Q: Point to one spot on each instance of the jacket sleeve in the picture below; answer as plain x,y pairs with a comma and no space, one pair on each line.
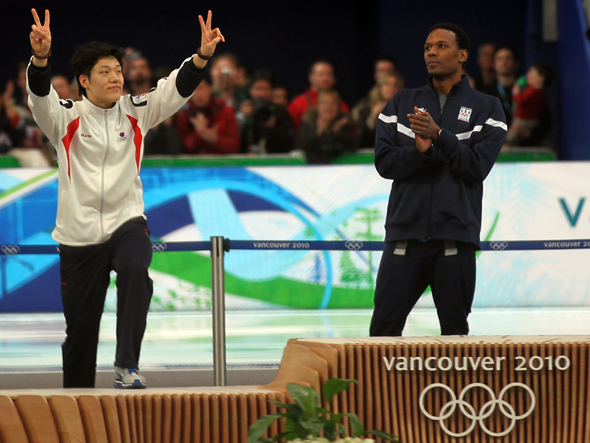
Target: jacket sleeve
169,95
48,110
396,155
471,155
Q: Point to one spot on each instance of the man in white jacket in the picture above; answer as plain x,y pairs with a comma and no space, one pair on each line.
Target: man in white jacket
100,223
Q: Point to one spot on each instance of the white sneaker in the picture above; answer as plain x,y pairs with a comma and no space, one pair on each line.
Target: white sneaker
129,378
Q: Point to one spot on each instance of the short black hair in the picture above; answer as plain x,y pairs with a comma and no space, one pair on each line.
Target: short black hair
460,35
546,72
87,56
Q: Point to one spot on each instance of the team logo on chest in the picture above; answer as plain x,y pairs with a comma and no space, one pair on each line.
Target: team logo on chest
465,114
122,137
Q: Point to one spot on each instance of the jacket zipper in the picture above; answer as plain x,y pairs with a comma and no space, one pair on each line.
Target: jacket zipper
432,179
104,161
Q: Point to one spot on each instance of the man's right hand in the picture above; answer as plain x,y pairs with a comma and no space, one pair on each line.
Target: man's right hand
40,38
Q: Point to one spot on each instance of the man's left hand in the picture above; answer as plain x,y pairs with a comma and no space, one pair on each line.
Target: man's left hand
209,37
423,125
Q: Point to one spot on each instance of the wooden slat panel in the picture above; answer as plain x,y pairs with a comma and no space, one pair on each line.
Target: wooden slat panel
148,418
166,418
157,418
93,419
176,418
67,419
186,418
111,418
12,429
37,419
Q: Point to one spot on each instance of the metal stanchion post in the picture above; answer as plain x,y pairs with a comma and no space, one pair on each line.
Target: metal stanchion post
218,295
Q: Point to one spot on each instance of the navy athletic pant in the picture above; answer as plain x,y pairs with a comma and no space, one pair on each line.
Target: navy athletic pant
402,279
85,277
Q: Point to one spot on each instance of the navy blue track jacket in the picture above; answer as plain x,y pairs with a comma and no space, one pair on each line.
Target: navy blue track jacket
438,195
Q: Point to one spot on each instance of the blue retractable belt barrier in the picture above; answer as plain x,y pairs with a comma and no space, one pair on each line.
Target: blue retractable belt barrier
297,245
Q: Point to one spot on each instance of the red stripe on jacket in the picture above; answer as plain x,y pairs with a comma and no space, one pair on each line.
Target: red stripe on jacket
67,141
137,139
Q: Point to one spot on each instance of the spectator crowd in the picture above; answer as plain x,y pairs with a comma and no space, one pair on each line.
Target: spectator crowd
238,110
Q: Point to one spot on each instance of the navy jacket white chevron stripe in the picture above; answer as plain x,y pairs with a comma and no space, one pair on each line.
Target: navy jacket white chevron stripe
438,195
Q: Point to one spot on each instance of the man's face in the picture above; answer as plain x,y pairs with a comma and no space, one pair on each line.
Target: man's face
382,68
485,56
61,86
202,95
224,73
442,54
261,90
504,62
105,84
139,70
322,77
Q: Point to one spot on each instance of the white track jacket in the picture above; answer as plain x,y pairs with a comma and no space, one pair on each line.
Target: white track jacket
99,151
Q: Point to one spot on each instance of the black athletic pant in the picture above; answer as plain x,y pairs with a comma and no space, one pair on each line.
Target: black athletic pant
402,279
85,277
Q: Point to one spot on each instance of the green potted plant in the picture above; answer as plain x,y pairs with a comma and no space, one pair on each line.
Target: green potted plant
306,419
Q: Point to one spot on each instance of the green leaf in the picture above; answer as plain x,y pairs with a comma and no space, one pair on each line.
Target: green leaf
312,426
335,386
258,429
305,396
357,428
288,406
287,435
383,435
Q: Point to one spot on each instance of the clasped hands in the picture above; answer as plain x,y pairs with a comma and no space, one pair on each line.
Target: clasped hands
426,130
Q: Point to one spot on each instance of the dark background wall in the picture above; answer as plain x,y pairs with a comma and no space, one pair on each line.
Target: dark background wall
286,36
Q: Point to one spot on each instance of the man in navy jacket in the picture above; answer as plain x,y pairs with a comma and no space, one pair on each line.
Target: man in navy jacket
437,143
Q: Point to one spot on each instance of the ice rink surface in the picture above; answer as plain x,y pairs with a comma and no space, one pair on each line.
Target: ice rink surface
254,338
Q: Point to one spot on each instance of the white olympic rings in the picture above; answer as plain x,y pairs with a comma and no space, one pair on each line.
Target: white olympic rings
498,245
10,249
159,247
353,245
485,411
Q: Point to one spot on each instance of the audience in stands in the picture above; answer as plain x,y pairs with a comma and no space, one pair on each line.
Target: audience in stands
206,125
33,149
506,68
326,131
229,79
532,119
321,78
236,112
11,132
62,86
366,112
267,128
280,96
485,60
138,79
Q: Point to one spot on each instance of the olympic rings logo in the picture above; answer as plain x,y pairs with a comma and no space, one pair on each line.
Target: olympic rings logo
353,245
485,411
159,247
498,245
10,249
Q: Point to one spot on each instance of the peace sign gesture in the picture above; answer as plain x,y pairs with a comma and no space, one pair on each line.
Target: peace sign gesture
209,38
40,35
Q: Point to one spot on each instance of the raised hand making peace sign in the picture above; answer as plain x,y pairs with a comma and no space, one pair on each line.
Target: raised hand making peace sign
40,36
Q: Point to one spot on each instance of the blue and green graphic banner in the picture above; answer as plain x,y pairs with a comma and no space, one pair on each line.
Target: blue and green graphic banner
542,201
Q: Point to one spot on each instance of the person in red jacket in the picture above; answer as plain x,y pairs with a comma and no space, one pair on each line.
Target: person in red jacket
321,78
531,120
206,125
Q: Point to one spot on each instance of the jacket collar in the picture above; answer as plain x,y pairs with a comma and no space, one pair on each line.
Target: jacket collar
461,85
98,111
